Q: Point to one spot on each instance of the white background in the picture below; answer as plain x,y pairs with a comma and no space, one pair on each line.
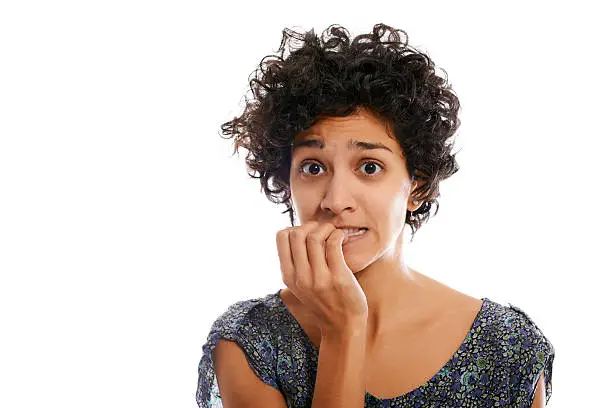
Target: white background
127,227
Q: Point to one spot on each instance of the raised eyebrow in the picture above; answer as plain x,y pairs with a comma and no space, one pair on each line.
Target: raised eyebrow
351,145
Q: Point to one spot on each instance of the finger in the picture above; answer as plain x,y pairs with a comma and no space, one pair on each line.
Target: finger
284,255
334,255
297,240
315,246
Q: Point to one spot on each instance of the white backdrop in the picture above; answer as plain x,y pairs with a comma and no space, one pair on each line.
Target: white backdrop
127,227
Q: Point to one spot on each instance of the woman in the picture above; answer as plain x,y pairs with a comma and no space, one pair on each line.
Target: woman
354,137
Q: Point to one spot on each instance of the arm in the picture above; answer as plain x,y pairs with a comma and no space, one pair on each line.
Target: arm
539,401
239,386
341,369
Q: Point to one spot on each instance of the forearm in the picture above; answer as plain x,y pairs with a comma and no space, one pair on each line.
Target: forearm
340,381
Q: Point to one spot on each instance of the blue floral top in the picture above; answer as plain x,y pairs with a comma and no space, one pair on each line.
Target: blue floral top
498,364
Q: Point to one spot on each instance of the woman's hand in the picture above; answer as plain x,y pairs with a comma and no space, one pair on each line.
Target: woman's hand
313,268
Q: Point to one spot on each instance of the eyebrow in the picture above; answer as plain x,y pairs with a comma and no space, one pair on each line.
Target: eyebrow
351,145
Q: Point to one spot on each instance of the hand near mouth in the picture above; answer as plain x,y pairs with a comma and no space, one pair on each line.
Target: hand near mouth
314,269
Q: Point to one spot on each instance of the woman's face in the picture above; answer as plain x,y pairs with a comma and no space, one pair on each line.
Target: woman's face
337,176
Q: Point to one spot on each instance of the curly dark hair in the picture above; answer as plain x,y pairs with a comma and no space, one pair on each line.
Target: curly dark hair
331,76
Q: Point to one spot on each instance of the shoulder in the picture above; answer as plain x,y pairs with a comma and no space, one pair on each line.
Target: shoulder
514,330
517,329
521,348
247,323
245,315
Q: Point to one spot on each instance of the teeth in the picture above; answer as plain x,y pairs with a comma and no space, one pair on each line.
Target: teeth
352,231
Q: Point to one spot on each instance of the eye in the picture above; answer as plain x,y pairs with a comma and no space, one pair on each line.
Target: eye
371,162
314,166
309,165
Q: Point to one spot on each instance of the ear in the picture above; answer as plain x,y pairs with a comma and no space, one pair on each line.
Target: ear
411,197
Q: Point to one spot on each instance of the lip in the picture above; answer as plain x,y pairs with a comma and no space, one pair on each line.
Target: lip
348,226
354,238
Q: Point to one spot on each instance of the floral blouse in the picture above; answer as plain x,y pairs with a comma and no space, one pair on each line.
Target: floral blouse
498,364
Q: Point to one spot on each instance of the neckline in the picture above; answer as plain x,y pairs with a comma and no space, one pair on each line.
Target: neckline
397,398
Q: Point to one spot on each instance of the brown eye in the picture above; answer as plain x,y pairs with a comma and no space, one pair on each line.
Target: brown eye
315,168
310,166
371,166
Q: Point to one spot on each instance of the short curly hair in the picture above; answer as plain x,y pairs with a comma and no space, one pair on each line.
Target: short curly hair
333,76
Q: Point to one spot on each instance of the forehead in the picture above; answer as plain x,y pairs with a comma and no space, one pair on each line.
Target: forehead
360,131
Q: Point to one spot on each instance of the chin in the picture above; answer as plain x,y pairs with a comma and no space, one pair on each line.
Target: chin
355,265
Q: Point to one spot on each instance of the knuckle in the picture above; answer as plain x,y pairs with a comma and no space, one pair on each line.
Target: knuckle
334,239
296,233
339,282
313,238
301,284
285,278
281,235
321,286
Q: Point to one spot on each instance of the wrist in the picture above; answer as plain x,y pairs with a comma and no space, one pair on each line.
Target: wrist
354,330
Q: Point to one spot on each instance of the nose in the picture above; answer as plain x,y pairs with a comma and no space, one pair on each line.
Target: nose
338,196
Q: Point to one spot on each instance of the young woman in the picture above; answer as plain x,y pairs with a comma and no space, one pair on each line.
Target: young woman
354,137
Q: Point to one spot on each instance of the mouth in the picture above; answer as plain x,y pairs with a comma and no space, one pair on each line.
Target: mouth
353,234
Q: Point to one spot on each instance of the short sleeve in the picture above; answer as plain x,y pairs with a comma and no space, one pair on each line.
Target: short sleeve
244,324
537,357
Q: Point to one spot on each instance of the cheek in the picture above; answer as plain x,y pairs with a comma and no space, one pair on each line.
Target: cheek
398,208
304,199
389,211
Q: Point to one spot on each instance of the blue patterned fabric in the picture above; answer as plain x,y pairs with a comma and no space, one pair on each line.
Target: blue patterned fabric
498,364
